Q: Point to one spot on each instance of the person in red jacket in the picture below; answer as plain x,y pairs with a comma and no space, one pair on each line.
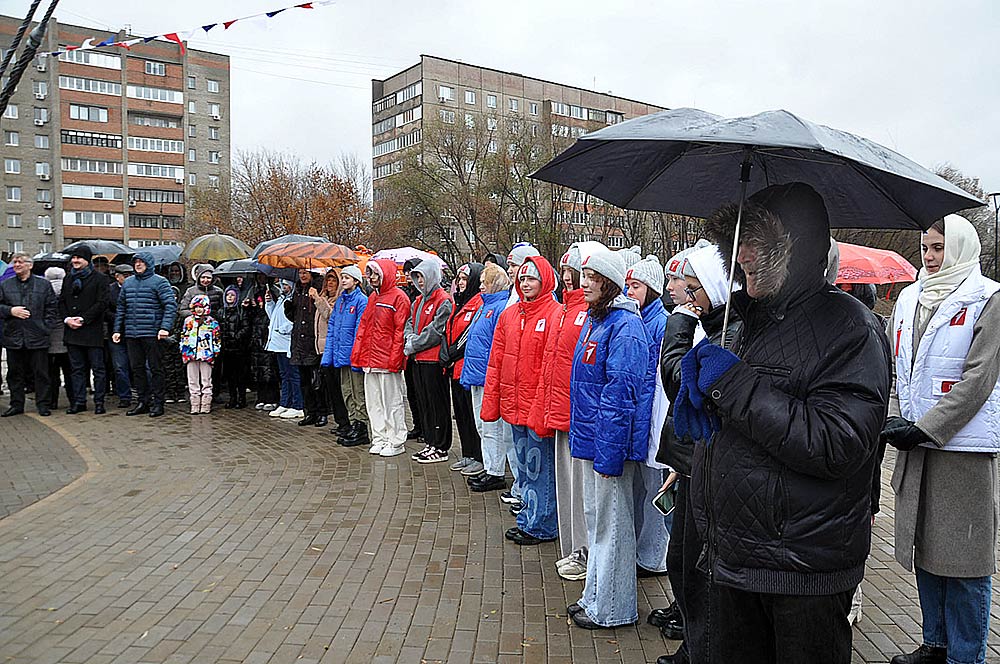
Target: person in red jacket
468,301
512,378
423,336
378,351
551,410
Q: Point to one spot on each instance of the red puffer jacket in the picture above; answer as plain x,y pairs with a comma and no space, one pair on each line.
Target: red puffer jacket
379,341
453,347
515,366
551,407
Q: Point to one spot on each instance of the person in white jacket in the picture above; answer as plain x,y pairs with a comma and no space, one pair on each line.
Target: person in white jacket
279,339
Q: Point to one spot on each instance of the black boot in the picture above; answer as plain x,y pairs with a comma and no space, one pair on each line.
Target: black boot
358,436
321,421
241,400
231,403
307,420
925,654
138,409
342,430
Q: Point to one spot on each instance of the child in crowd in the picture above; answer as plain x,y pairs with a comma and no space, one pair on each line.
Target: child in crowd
199,347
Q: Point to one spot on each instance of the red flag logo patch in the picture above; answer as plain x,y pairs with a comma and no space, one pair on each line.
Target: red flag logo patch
580,318
540,325
959,318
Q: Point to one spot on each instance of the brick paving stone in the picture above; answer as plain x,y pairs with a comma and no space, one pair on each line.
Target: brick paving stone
236,538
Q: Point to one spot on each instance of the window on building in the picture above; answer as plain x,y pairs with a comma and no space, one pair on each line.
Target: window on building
92,58
154,94
156,68
192,131
94,85
409,92
12,166
559,108
213,156
40,88
470,97
492,147
213,133
14,194
470,122
514,104
215,110
192,179
43,168
491,123
192,155
212,86
156,196
88,113
491,101
152,121
155,145
45,247
92,166
13,221
191,82
192,109
93,219
90,191
44,222
42,141
155,171
11,138
15,246
213,181
533,108
448,117
615,118
446,93
41,114
11,112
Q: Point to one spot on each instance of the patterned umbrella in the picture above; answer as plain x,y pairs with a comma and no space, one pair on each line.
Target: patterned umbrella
307,255
864,265
216,247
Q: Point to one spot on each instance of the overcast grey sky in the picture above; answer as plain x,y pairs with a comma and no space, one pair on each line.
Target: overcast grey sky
920,77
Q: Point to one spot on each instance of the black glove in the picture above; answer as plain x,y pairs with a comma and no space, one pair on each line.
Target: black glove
902,434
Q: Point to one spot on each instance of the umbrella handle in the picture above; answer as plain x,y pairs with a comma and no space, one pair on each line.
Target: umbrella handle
744,180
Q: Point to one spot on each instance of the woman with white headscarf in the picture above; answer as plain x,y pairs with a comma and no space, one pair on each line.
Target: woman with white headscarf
944,418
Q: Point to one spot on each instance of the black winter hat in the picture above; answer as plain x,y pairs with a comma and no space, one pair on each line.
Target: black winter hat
84,252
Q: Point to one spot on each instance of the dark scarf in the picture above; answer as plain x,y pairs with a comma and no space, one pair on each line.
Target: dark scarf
79,276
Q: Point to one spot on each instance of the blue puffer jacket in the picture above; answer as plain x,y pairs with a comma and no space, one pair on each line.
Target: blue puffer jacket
480,339
146,303
609,366
654,319
343,328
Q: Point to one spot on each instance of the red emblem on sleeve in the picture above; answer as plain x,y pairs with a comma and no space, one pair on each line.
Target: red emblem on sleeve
959,318
590,352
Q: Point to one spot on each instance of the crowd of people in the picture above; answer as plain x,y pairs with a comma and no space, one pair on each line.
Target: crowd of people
655,420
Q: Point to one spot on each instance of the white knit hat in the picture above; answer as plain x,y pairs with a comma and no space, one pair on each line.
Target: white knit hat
608,264
571,258
675,266
353,272
520,253
529,270
631,256
648,271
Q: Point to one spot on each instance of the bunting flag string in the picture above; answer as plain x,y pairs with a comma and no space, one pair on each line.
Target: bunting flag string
180,36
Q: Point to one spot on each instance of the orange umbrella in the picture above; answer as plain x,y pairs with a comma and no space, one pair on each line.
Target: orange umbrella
307,255
865,265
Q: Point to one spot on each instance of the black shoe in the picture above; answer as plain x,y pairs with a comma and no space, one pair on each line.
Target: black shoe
320,421
661,617
581,619
241,403
679,657
673,631
76,408
573,609
414,434
156,411
524,539
99,409
516,508
490,483
343,429
307,420
925,654
230,404
13,410
356,441
139,409
643,573
511,532
44,412
123,403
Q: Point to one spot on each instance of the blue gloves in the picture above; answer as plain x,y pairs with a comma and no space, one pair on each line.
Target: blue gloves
700,368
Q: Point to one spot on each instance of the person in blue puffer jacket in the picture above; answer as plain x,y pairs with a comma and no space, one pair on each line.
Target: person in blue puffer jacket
341,331
145,314
494,286
610,364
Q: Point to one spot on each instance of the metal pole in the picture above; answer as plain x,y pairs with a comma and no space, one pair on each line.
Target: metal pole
34,41
996,230
744,181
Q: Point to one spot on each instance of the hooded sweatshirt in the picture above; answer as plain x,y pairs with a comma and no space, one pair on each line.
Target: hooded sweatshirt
456,332
609,366
425,329
213,292
199,338
515,365
379,342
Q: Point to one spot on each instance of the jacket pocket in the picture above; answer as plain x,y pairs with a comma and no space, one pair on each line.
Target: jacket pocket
775,509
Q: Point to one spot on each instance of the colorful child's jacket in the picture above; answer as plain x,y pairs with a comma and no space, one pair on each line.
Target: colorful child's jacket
200,335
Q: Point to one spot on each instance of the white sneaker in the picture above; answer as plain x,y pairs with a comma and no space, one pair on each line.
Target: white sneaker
392,450
260,406
574,571
292,414
376,448
277,412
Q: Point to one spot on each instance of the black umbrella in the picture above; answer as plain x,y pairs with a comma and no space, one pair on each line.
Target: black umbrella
163,254
44,261
241,267
103,247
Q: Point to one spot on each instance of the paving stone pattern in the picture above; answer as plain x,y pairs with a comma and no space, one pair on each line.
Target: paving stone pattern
240,538
34,463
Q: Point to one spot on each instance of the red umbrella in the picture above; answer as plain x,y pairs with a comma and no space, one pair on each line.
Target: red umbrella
865,265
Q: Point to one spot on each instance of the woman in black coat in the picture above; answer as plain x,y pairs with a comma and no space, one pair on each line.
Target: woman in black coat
234,321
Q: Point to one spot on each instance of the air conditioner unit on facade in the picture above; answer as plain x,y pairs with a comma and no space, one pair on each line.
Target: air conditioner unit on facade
179,180
131,203
46,231
39,123
40,66
39,95
44,177
216,116
47,206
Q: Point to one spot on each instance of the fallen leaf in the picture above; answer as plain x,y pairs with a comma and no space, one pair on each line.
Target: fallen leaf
144,635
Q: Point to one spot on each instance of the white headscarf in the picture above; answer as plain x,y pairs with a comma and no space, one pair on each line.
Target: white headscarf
961,257
710,269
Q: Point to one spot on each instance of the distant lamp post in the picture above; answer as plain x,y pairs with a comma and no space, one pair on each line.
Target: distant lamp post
996,228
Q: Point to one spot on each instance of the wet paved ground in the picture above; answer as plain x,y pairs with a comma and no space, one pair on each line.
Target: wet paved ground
239,538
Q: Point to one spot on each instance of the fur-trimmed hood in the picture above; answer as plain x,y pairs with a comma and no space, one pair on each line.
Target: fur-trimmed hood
789,227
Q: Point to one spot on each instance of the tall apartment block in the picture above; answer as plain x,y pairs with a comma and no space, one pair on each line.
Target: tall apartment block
456,92
109,143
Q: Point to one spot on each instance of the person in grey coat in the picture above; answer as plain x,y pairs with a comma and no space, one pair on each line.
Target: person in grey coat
58,354
944,420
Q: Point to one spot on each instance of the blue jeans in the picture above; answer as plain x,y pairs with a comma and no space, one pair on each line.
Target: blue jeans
119,359
508,438
82,358
956,615
536,463
651,528
291,392
609,597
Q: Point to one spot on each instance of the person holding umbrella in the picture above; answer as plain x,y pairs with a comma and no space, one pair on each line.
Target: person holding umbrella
789,425
945,423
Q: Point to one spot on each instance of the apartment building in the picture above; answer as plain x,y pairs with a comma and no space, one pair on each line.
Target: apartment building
110,143
447,91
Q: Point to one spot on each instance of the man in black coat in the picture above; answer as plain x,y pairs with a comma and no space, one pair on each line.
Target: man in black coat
118,351
28,309
796,409
82,306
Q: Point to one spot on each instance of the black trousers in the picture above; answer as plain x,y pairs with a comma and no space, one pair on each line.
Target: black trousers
757,628
143,353
313,397
411,395
59,362
335,405
465,420
434,404
82,358
236,368
25,363
691,587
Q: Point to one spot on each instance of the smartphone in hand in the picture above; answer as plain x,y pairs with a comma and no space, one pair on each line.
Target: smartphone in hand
665,499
